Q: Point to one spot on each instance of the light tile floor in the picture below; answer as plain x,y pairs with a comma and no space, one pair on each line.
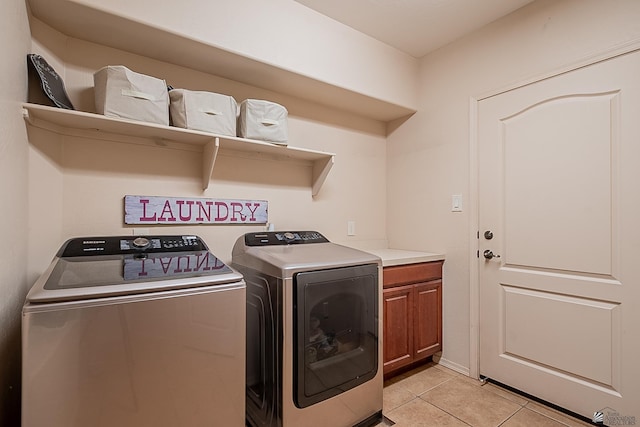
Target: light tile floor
433,395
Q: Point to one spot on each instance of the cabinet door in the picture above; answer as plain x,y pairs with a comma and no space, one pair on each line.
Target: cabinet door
427,318
398,327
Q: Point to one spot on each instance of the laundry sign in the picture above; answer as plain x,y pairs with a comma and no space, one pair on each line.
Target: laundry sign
181,210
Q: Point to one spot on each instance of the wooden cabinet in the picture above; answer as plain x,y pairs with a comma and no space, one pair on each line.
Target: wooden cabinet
412,313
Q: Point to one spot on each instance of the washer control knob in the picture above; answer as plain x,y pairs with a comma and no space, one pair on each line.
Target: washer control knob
141,242
289,236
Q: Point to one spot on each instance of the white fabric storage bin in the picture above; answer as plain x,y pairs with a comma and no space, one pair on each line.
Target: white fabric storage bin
120,92
263,120
204,111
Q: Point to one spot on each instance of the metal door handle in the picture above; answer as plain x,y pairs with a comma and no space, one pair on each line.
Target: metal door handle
490,255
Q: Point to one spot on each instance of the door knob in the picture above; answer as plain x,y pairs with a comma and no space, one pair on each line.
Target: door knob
490,255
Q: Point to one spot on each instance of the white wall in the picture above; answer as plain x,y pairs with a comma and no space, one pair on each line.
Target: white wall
14,43
428,156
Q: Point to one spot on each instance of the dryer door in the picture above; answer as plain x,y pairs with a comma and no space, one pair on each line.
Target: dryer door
335,331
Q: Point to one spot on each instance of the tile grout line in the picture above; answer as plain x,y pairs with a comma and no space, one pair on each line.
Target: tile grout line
402,404
438,407
446,412
511,416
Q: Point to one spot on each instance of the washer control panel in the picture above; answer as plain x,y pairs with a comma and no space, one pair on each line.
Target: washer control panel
119,245
272,238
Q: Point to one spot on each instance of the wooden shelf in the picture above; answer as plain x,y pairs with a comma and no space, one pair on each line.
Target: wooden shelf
89,125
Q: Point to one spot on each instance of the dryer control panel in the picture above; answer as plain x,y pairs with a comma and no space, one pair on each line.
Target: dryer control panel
271,238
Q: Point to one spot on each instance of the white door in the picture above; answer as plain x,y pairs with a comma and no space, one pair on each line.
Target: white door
559,188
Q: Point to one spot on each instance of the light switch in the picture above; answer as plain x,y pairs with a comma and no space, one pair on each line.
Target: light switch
456,203
351,228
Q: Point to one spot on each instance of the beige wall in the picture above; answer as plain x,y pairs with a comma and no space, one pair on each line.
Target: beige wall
428,156
78,184
288,35
14,43
397,187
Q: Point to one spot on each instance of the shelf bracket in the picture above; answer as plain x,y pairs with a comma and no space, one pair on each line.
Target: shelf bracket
26,116
34,121
208,161
321,169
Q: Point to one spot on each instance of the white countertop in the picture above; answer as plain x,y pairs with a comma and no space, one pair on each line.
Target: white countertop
399,256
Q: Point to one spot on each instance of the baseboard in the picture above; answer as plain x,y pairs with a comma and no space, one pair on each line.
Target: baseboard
437,358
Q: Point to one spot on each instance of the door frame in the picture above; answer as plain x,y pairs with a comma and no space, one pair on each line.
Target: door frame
474,182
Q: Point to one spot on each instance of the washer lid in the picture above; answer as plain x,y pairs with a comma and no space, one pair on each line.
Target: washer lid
99,273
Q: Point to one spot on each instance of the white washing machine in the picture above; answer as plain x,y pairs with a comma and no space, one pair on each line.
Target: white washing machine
124,331
314,331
